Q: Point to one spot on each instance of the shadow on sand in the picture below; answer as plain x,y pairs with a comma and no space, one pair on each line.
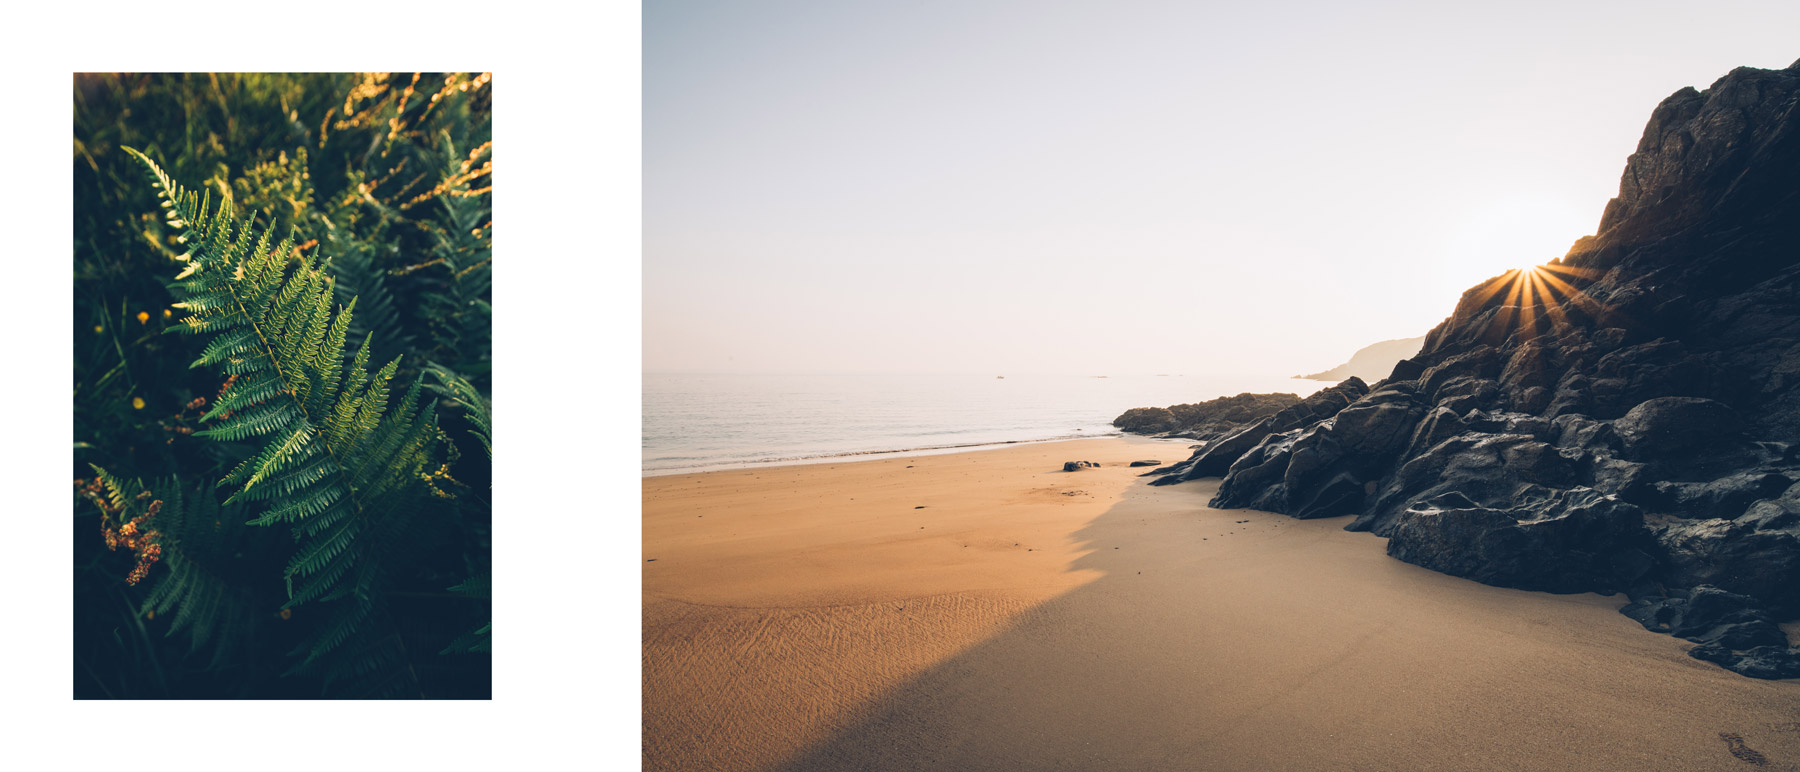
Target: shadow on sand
1221,639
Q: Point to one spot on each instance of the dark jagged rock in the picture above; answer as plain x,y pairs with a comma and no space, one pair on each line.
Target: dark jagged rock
1576,540
1204,420
1693,612
1725,497
1146,420
1439,424
1731,630
1217,457
1488,470
1759,662
1756,554
1623,419
1327,468
1668,426
1406,370
1455,375
1076,466
1146,463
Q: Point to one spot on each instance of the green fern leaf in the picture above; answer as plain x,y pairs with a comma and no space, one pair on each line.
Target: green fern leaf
477,410
198,540
334,460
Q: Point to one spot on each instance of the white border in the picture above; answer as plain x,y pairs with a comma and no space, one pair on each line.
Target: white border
567,278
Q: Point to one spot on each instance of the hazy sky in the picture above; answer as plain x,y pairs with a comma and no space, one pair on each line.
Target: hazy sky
1118,187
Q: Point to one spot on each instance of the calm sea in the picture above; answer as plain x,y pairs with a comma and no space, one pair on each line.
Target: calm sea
699,422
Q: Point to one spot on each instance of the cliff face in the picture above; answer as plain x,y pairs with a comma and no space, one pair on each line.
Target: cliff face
1625,419
1371,362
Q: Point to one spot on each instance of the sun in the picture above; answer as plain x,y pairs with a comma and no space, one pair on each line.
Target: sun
1518,231
1536,300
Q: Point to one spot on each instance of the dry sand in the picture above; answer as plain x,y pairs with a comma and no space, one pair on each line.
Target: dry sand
812,617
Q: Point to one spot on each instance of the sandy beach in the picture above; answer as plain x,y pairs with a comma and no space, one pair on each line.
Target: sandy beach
987,611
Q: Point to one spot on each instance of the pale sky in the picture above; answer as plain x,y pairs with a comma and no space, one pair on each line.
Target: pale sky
1129,187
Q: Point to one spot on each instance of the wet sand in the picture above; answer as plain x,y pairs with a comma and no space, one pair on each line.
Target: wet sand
814,617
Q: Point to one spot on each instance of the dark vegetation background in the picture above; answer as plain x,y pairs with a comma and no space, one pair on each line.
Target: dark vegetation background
385,174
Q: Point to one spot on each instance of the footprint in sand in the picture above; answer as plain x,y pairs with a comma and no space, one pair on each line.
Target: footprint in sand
1735,743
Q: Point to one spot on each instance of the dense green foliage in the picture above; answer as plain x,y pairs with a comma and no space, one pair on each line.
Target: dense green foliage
316,530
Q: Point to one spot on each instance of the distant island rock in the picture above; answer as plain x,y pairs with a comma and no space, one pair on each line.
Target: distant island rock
1629,423
1373,362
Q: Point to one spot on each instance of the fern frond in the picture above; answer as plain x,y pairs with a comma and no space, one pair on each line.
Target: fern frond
314,502
290,484
261,420
327,638
478,586
478,640
477,410
360,276
334,462
473,642
345,516
457,304
246,392
118,492
236,342
323,550
198,541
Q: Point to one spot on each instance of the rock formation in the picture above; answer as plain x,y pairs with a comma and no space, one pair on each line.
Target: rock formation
1212,459
1203,420
1625,419
1372,362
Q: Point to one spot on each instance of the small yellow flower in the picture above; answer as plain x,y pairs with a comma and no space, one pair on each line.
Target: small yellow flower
143,317
151,614
167,313
98,328
287,613
137,403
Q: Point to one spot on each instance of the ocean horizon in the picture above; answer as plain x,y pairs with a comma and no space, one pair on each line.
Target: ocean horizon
702,422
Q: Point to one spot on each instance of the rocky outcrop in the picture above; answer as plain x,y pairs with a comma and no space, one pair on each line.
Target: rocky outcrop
1731,630
1325,467
1372,362
1204,420
1571,540
1214,458
1623,419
